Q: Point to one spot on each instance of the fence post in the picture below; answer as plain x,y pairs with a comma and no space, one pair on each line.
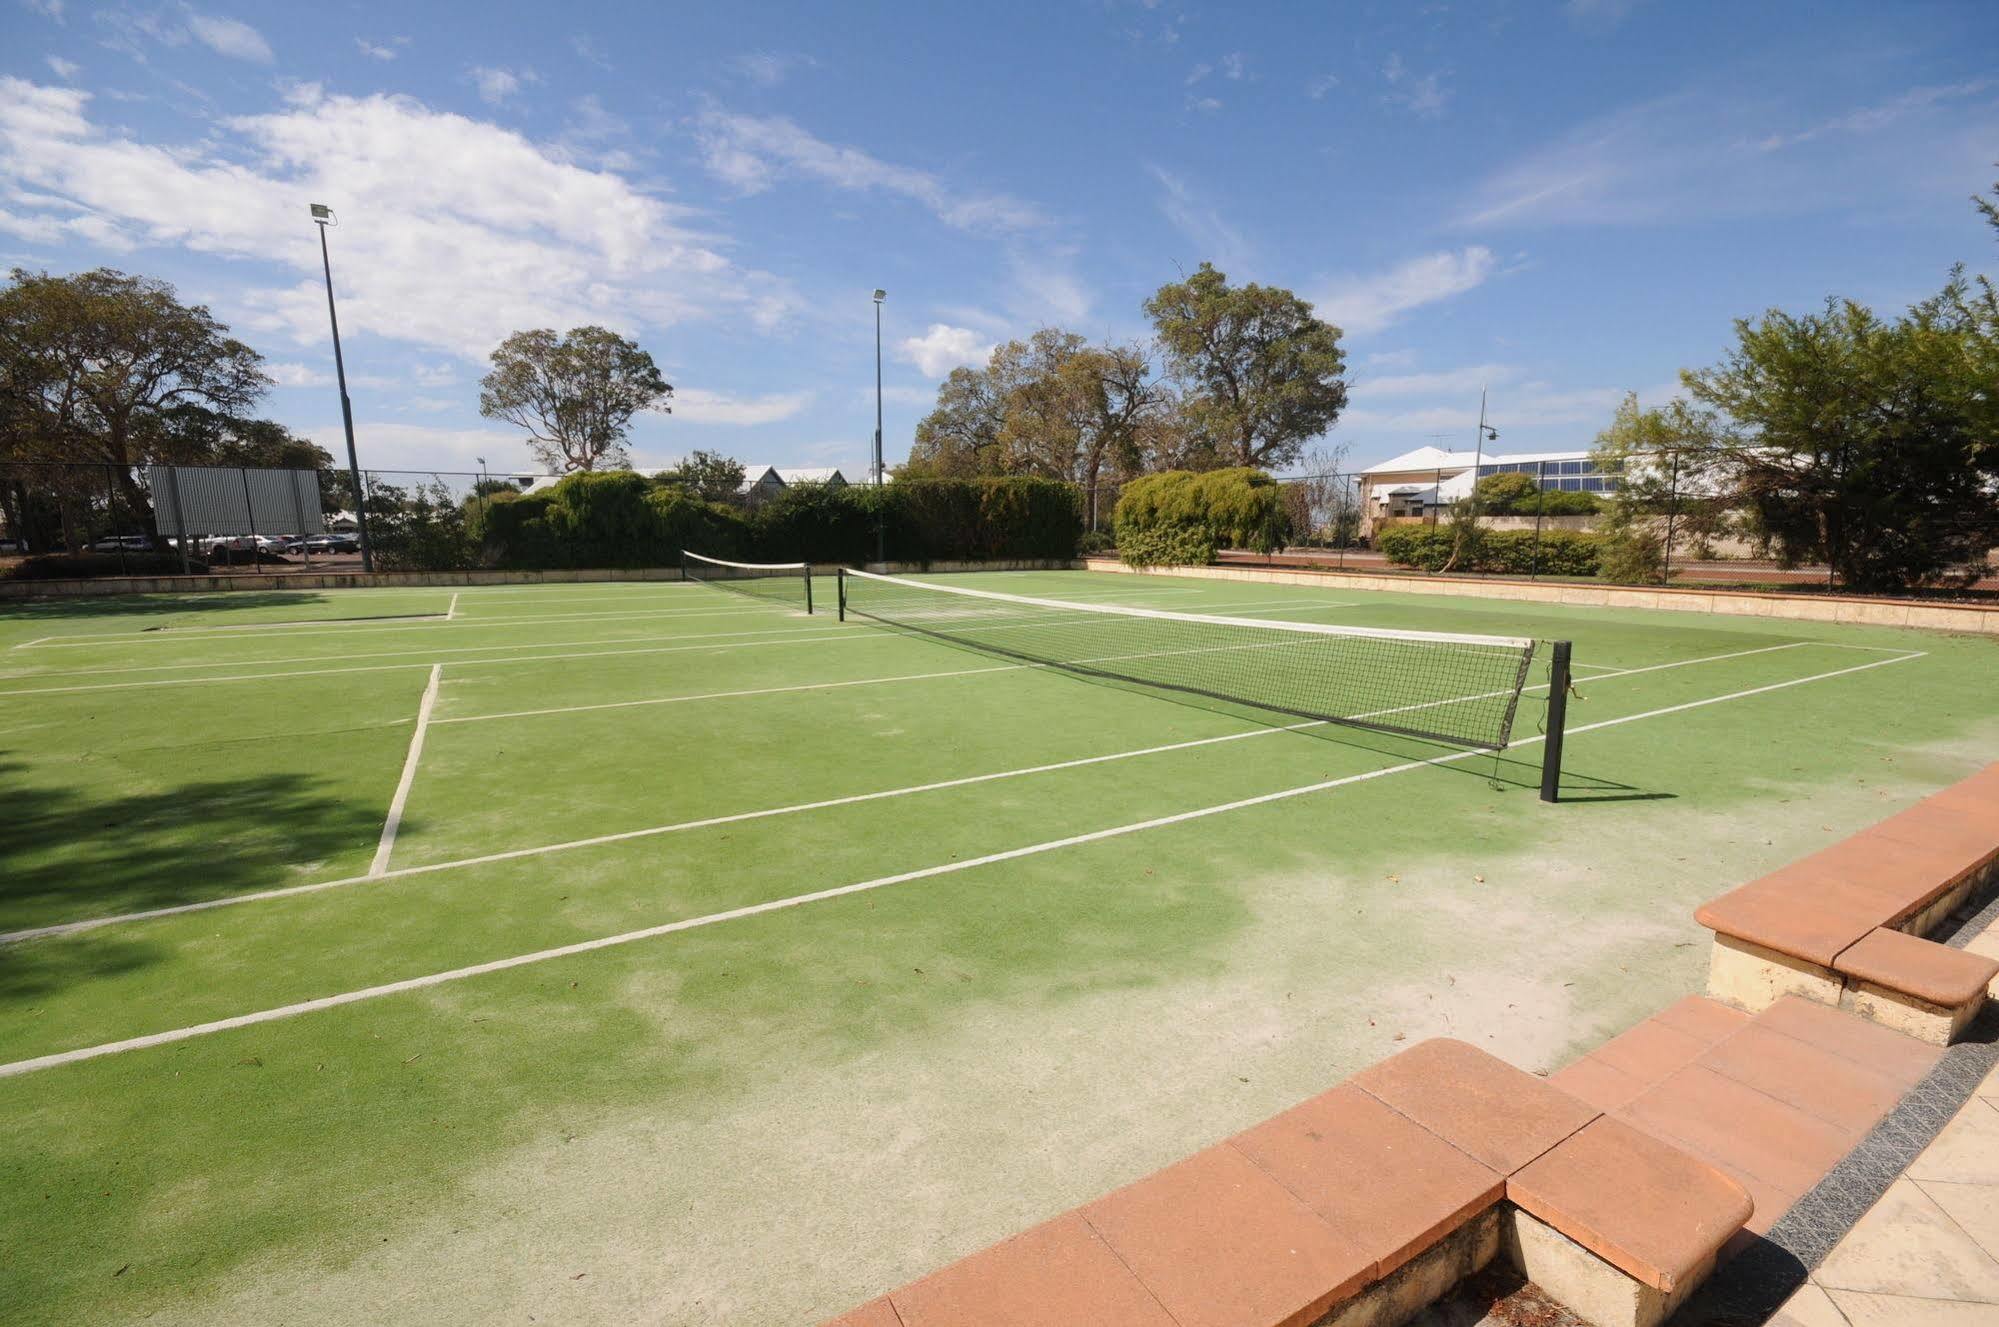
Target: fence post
1540,506
111,515
250,518
180,516
1672,513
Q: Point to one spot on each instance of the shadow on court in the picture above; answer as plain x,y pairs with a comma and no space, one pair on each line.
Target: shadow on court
67,856
113,607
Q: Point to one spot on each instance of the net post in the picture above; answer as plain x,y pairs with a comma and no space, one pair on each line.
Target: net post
1558,715
840,574
808,589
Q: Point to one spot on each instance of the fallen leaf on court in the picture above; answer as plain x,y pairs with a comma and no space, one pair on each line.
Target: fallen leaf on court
122,1270
252,1061
1479,878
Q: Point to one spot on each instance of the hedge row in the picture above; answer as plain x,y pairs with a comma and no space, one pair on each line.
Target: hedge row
621,519
1183,516
1520,552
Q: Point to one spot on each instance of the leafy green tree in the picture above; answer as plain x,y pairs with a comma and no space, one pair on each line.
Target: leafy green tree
709,476
1259,374
1502,495
575,394
91,364
1988,207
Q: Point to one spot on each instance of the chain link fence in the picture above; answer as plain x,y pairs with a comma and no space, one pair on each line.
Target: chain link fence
94,519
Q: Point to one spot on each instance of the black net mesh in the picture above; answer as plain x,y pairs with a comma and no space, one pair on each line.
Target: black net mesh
1458,689
788,583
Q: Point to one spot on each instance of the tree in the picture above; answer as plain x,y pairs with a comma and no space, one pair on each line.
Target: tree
1988,207
960,437
709,476
1259,374
91,364
575,394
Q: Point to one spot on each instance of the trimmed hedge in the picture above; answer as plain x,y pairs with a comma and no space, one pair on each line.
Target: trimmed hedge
608,519
1429,547
84,566
1167,546
622,519
1237,508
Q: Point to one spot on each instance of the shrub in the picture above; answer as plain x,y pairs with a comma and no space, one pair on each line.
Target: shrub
421,528
1632,556
814,523
1239,508
609,519
1511,552
1167,546
1518,495
1013,517
1096,541
74,566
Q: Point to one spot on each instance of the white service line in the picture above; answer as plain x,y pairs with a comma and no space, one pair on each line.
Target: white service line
879,882
286,891
386,668
395,818
451,610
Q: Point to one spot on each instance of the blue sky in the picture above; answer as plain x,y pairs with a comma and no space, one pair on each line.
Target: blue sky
1560,201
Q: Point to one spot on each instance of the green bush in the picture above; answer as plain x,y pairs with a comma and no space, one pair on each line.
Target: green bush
83,566
609,519
1239,508
1632,556
1515,494
1511,552
1167,546
621,519
420,528
1096,541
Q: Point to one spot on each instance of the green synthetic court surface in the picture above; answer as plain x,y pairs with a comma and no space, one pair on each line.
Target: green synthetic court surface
726,965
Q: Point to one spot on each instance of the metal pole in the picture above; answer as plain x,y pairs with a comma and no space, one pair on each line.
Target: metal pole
1558,718
346,410
881,533
1672,512
1540,506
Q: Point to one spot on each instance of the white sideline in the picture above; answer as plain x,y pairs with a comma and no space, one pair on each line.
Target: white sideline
451,610
387,843
286,891
839,891
388,668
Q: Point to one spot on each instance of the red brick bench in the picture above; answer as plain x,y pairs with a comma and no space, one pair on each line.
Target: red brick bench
1844,925
1362,1205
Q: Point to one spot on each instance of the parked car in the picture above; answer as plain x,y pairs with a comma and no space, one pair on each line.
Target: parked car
333,543
122,543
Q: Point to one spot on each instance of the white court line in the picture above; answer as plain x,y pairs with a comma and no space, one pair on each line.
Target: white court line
451,610
840,891
381,627
286,891
395,819
428,652
386,668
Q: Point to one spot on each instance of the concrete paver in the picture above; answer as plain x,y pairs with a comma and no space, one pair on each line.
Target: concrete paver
1907,1245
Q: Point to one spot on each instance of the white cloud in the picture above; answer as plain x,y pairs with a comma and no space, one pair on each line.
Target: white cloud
46,8
1360,305
454,232
1320,86
1200,221
231,37
421,447
586,48
1869,119
1234,65
752,153
1045,287
943,348
387,50
1468,379
767,69
704,407
298,375
1704,154
1197,73
1205,105
495,85
65,69
1423,95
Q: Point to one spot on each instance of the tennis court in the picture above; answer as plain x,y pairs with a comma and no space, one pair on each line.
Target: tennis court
659,952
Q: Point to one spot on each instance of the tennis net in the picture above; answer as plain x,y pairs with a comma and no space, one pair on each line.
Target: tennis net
1457,689
788,583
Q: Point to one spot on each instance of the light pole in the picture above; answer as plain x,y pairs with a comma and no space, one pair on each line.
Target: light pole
881,554
322,216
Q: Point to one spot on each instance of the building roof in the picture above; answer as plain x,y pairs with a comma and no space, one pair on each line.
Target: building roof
755,475
810,474
1436,458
